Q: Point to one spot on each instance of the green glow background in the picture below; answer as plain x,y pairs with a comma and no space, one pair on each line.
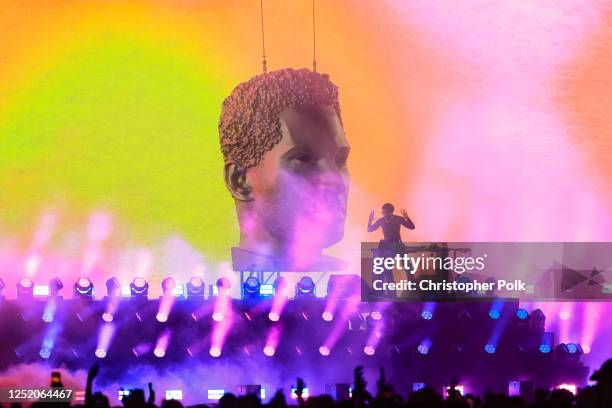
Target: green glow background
126,127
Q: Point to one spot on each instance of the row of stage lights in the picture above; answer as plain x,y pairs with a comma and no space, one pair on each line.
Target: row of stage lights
139,287
194,288
424,347
569,349
253,289
536,318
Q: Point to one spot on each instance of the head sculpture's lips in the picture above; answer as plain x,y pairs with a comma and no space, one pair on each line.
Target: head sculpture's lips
331,205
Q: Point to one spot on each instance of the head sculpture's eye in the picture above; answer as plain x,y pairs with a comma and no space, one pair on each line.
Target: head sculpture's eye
303,158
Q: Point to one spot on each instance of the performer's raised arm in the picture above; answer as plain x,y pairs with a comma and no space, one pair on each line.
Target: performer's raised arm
406,221
372,227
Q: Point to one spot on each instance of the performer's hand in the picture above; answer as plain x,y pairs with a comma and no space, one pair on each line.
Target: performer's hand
371,217
404,213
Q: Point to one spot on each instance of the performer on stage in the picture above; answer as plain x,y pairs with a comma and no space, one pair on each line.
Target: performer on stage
285,156
391,244
390,224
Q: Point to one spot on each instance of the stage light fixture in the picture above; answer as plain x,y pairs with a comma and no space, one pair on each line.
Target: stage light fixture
496,309
568,387
215,352
195,287
221,287
100,353
547,342
355,320
25,288
305,287
139,287
428,310
369,350
327,316
217,316
161,317
250,288
44,353
490,348
537,319
418,386
269,351
113,287
107,317
572,348
168,285
376,315
273,316
545,348
423,348
223,283
561,349
55,285
324,350
570,351
522,314
84,288
159,352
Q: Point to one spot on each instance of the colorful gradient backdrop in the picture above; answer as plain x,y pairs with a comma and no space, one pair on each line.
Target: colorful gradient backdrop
486,120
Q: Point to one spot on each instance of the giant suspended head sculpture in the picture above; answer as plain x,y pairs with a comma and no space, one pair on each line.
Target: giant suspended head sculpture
285,156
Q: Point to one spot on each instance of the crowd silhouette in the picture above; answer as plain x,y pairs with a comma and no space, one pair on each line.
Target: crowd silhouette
598,395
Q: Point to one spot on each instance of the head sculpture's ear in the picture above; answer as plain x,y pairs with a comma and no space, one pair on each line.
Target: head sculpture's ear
236,181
